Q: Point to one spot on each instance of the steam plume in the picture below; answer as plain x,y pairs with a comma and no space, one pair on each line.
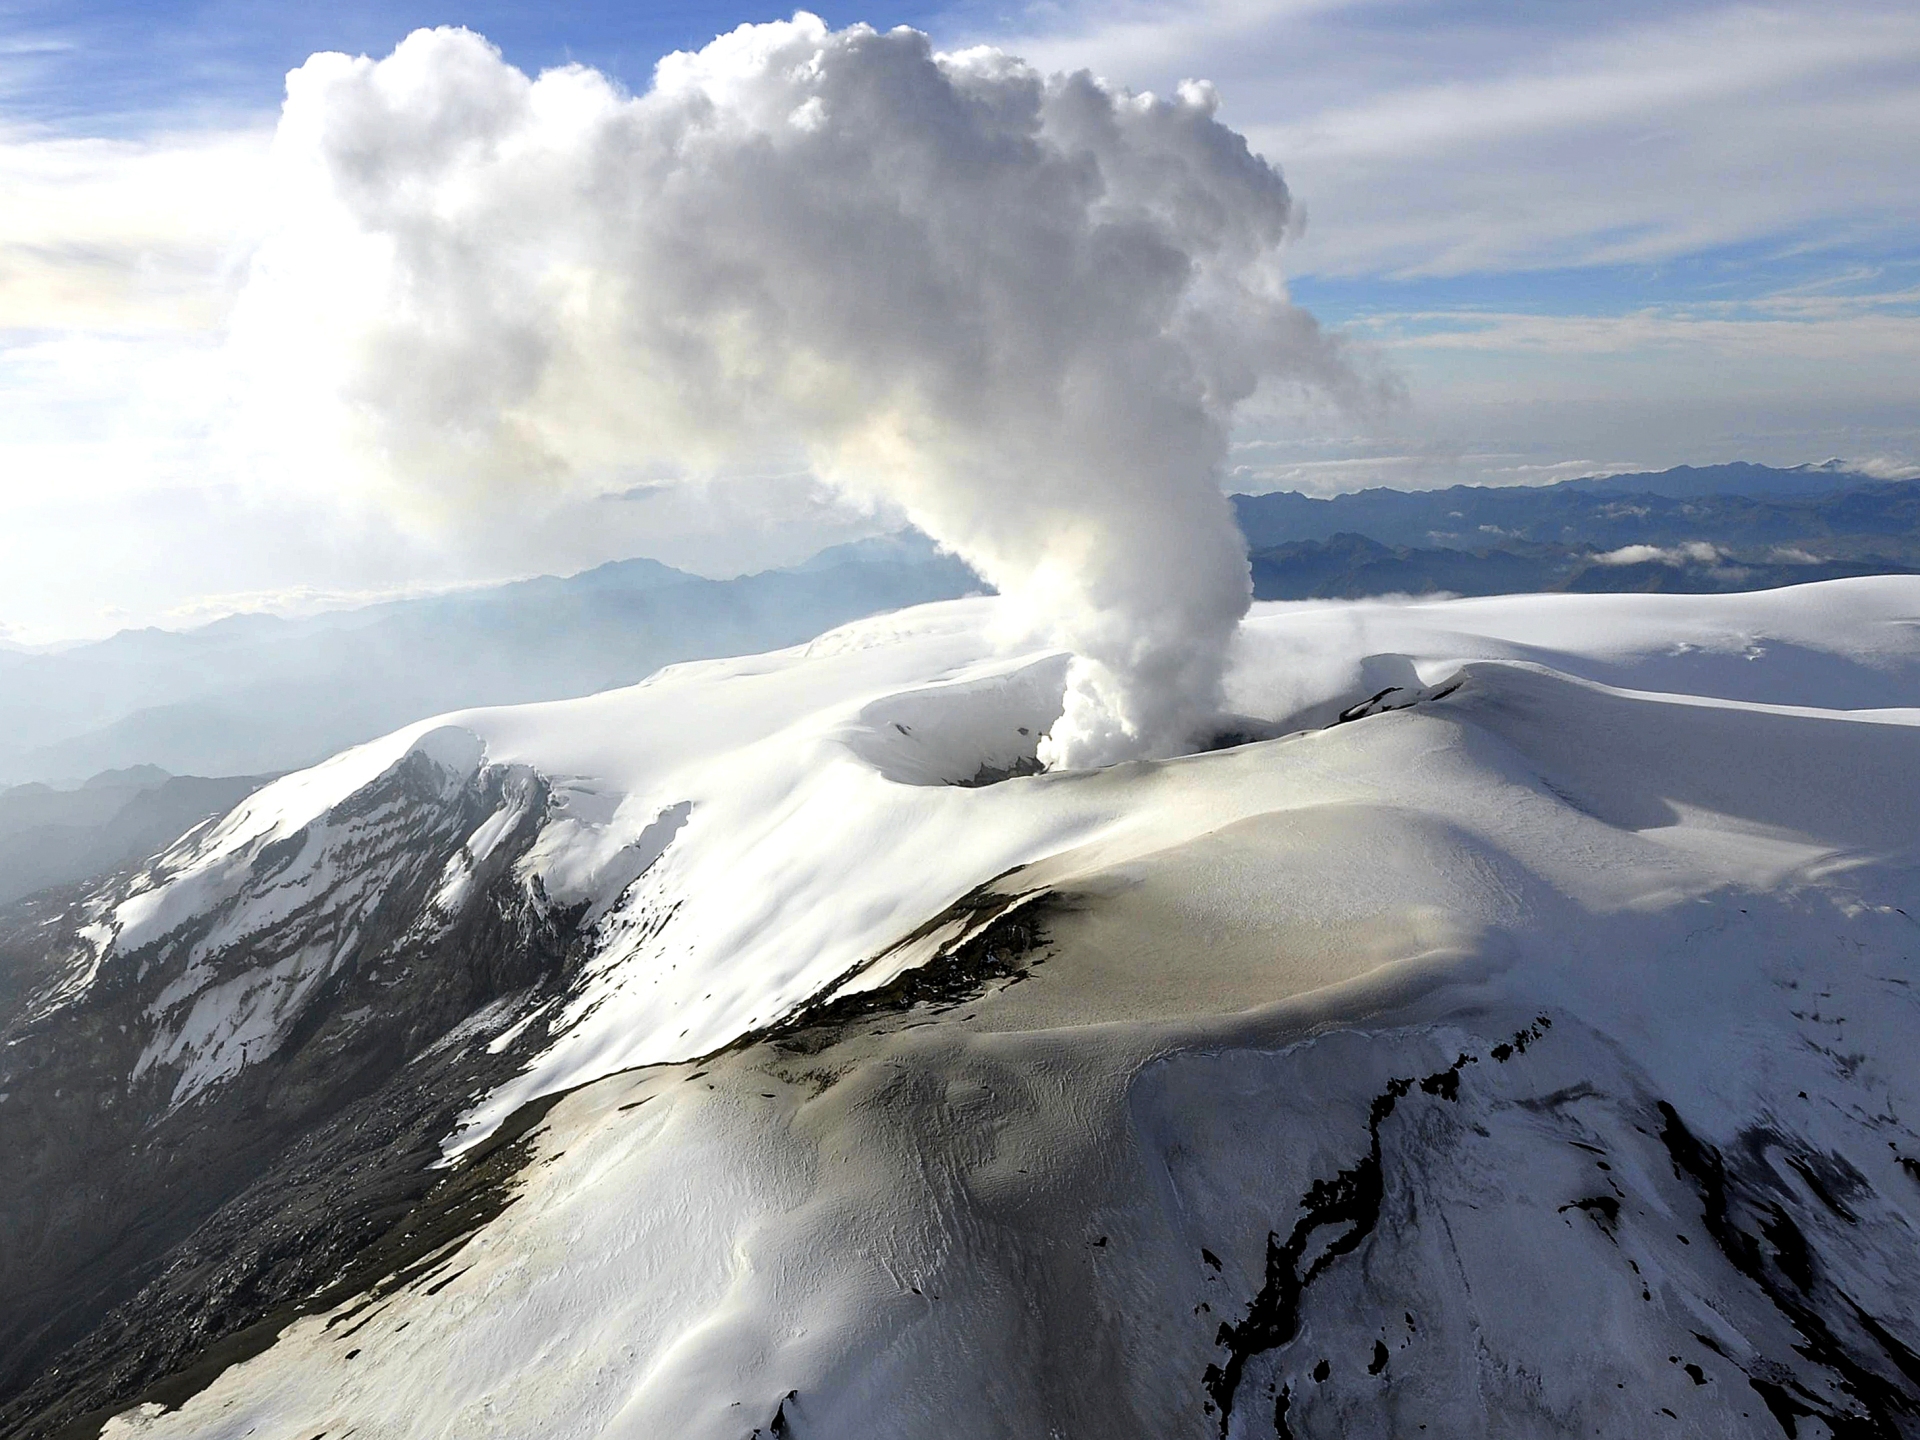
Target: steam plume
1020,308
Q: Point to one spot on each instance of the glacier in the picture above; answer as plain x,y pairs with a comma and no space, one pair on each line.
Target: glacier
1506,1026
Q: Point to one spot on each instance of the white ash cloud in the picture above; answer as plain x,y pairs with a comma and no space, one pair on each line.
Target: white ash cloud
1019,309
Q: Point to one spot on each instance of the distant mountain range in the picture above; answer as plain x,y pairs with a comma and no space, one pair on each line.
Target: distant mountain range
1744,504
1353,566
52,837
1685,530
255,694
1686,482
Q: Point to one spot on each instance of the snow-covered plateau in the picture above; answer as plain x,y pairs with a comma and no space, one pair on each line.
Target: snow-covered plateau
1508,1027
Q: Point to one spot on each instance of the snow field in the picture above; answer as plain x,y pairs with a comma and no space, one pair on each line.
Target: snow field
1657,850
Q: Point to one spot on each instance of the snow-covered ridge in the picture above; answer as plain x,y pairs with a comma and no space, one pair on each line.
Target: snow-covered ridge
1514,1043
743,835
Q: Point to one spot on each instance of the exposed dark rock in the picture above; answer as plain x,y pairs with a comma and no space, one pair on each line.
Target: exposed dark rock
1749,1217
1001,933
151,1236
994,774
1349,1205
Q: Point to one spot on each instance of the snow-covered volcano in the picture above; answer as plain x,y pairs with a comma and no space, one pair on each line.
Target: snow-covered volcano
1518,1040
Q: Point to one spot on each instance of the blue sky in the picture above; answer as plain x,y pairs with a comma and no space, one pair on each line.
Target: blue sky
1582,237
125,67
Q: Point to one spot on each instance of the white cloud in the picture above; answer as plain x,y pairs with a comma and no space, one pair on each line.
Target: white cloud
1364,463
123,235
1880,467
1503,396
1020,309
1424,140
1435,141
1424,143
1691,552
1865,340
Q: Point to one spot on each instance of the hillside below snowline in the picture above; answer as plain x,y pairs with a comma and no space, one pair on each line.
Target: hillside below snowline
1507,1029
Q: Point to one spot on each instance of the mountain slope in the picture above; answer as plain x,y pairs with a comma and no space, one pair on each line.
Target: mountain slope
253,693
1512,1042
61,837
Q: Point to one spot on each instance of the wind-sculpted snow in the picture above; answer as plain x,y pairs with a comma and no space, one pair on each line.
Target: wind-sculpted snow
1515,1043
745,834
814,840
1345,1216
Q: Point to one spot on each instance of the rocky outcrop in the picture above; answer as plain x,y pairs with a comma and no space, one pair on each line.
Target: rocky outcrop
210,1124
